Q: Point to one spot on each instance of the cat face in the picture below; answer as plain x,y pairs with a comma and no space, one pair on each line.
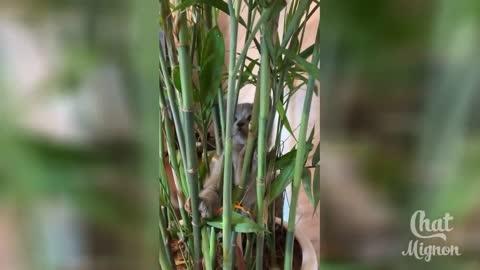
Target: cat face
243,114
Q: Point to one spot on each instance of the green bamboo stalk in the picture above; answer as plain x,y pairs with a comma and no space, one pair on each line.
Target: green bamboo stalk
227,180
213,249
173,105
221,112
277,93
165,13
299,159
265,78
174,162
217,130
165,257
162,169
206,249
191,155
248,251
273,239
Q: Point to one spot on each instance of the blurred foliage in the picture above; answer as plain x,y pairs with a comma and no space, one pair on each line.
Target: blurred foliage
109,184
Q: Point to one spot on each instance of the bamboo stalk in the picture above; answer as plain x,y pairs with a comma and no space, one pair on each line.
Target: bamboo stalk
221,113
265,78
191,155
217,130
299,159
174,162
248,251
211,19
253,126
165,257
227,180
173,108
165,13
213,249
206,249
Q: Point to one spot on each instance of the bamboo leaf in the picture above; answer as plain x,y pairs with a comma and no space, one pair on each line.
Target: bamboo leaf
287,159
307,52
294,47
310,140
284,118
240,224
176,78
302,63
219,4
281,182
247,73
316,156
307,183
212,58
316,188
286,165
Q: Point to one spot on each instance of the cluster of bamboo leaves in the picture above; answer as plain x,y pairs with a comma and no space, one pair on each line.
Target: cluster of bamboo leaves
197,92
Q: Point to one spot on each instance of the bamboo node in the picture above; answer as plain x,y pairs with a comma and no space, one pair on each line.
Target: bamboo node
192,171
187,110
195,224
261,181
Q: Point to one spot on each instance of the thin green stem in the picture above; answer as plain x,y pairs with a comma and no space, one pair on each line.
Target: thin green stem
206,249
265,83
173,104
213,249
176,171
227,180
165,257
300,158
263,18
221,112
217,130
191,153
293,24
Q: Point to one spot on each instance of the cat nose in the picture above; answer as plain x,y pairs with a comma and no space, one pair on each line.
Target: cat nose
240,123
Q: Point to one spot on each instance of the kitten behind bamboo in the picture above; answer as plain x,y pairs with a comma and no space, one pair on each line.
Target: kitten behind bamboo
210,200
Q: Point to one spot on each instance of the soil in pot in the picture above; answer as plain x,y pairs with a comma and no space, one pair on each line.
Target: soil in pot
281,235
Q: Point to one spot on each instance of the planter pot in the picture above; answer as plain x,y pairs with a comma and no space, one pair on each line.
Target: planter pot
309,257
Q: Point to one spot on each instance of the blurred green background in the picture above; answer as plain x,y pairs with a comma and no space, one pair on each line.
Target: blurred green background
400,129
78,134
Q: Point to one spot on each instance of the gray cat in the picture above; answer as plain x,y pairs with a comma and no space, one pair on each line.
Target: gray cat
209,196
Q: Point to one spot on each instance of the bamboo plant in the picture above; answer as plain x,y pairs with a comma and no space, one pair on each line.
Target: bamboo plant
197,92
